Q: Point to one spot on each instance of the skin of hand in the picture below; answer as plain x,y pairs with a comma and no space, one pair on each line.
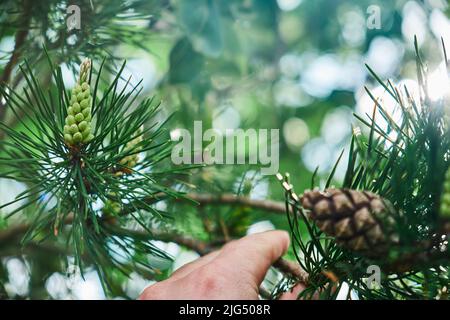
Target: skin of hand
233,272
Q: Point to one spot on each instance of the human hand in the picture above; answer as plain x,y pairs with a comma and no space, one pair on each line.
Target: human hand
233,272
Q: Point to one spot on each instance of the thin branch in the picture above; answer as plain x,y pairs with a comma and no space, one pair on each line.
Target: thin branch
201,199
293,269
19,41
201,247
13,232
212,199
289,268
231,199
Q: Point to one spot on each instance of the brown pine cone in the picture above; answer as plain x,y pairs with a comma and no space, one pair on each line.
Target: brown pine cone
359,220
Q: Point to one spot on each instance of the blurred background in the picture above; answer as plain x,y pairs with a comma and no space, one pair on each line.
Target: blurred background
293,65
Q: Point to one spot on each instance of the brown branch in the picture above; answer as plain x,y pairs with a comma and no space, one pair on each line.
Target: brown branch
286,267
201,199
231,199
201,247
293,269
19,41
211,199
13,232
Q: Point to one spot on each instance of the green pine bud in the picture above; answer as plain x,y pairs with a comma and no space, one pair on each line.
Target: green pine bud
70,120
84,103
68,138
78,121
86,132
80,96
445,198
83,125
73,129
131,160
77,137
88,138
79,117
85,67
76,108
111,207
86,112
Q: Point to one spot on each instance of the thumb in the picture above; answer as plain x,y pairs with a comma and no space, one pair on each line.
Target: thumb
255,254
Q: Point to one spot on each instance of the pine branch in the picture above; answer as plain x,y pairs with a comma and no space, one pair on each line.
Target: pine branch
293,269
13,233
19,41
230,199
201,247
288,268
204,199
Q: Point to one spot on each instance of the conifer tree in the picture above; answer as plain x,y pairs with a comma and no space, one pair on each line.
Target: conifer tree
101,194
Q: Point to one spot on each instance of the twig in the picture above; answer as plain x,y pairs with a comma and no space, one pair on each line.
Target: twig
212,199
199,246
20,38
231,199
293,269
287,267
13,233
202,199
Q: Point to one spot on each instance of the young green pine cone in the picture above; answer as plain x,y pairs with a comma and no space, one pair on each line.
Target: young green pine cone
131,160
111,207
77,129
359,220
445,198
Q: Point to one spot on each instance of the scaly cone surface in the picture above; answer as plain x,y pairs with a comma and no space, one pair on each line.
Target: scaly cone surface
359,220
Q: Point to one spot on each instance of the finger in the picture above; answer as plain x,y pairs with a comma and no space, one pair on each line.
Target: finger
170,287
253,255
192,266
